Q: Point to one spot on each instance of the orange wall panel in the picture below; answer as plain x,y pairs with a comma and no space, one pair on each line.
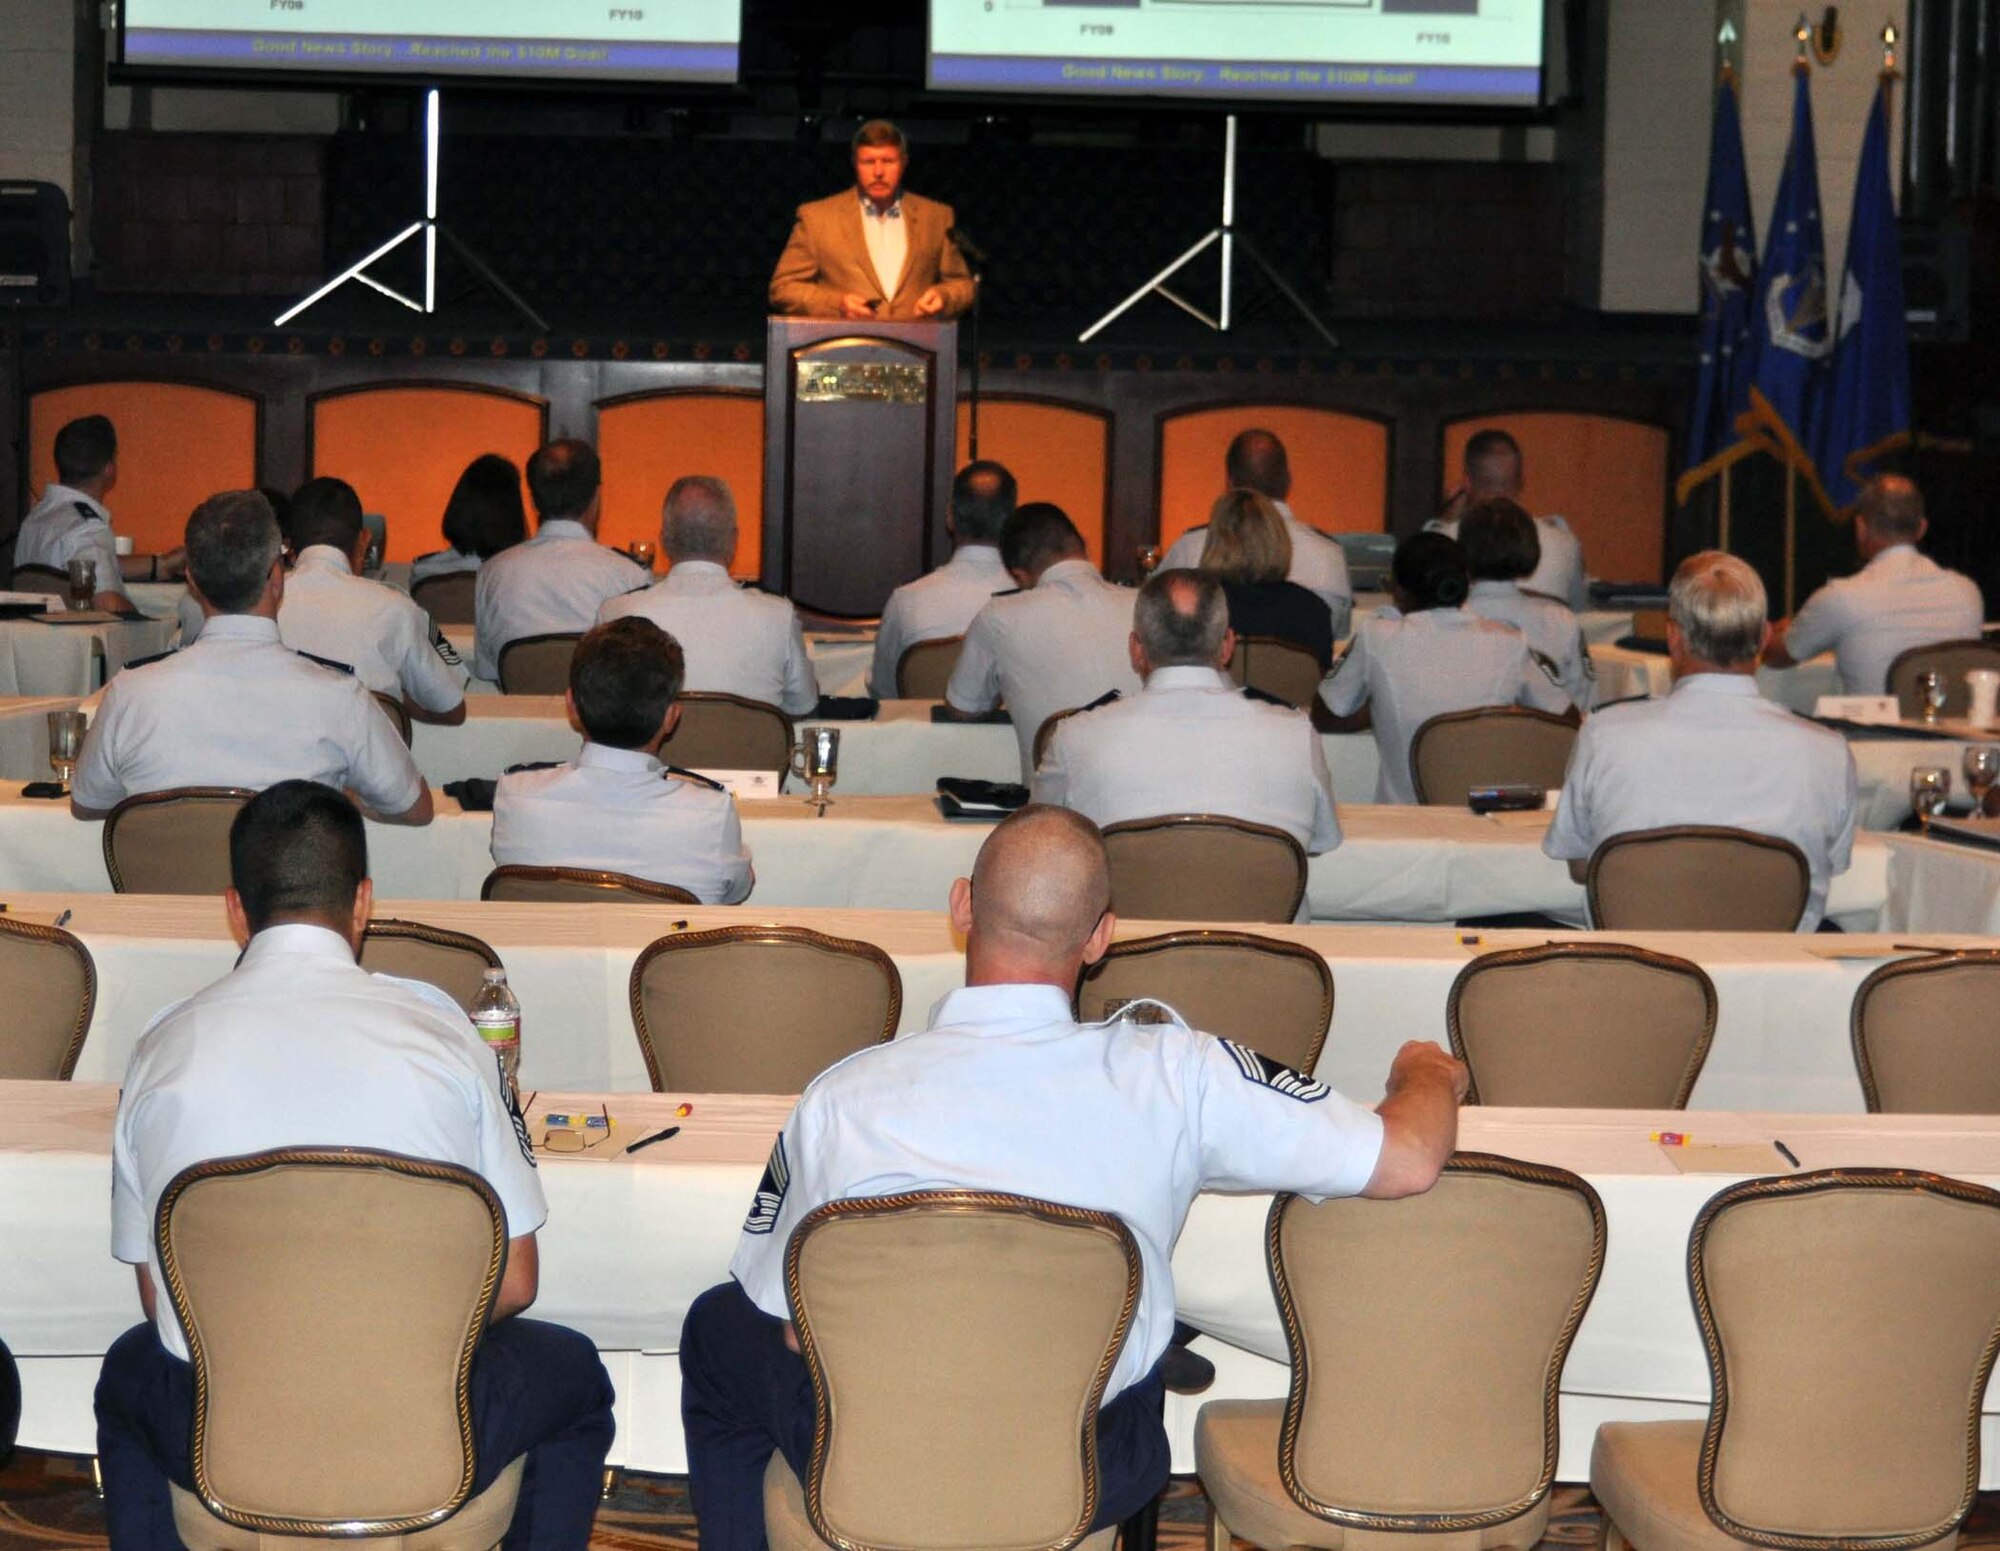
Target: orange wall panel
402,449
1606,477
1340,465
646,444
177,446
1055,454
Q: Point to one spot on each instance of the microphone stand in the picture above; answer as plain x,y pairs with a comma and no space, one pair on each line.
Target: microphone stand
975,261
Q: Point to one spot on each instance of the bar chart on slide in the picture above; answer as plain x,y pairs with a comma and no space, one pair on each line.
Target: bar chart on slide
1474,52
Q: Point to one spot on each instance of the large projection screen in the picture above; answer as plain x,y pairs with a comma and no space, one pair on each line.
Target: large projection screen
527,41
1458,53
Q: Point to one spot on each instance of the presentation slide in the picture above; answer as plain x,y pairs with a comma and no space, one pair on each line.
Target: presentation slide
529,40
1478,53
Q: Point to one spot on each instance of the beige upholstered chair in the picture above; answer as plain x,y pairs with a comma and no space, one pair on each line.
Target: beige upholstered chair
1924,1035
1697,878
1490,746
1582,1025
537,664
925,668
48,987
455,962
1427,1341
577,886
1850,1317
1282,669
41,578
1203,867
172,842
398,714
728,732
758,1009
334,1294
1274,996
1954,659
447,598
994,1445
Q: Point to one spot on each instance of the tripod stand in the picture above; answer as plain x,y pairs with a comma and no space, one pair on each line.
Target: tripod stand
432,229
1230,238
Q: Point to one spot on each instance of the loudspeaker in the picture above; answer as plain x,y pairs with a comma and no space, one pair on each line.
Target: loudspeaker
34,245
1937,282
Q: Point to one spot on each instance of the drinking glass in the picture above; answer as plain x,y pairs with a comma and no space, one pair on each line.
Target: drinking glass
1982,769
817,760
82,583
371,560
66,729
643,551
1931,692
1149,560
1930,787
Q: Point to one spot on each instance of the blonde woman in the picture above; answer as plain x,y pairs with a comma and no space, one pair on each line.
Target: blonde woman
1250,552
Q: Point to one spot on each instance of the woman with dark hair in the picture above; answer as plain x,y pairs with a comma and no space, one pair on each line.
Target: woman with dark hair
1502,548
484,516
1427,655
1250,553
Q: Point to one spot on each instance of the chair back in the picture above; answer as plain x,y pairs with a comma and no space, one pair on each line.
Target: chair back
924,669
398,714
1399,1419
538,664
448,599
172,842
1851,1318
455,962
958,1337
1924,1035
41,578
1282,669
332,1299
1582,1025
1203,867
1490,746
577,886
1953,659
1274,996
728,732
758,1009
1697,878
1047,731
48,988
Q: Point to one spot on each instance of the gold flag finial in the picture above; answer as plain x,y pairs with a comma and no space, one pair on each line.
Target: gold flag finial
1890,38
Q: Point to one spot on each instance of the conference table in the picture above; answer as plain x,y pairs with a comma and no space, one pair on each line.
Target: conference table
631,1241
1632,673
840,658
38,658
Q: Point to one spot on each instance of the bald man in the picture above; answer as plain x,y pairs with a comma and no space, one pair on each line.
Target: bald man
1006,1091
1495,471
1898,599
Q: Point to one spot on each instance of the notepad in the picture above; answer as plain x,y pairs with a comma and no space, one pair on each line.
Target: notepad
1727,1158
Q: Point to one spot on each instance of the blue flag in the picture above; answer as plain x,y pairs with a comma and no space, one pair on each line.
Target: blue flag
1790,319
1728,283
1867,409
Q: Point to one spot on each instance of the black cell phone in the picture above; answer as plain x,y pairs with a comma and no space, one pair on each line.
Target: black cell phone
1504,799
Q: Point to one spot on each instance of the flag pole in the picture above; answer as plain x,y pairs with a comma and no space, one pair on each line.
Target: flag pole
1791,534
1722,520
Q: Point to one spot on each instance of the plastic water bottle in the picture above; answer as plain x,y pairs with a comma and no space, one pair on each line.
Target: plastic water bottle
497,1015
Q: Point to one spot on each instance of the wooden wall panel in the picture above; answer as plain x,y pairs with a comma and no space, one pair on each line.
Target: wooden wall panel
1056,453
1340,465
647,443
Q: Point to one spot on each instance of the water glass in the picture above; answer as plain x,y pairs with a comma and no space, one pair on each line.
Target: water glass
66,730
817,760
1982,769
82,583
1149,560
1930,789
642,552
1931,694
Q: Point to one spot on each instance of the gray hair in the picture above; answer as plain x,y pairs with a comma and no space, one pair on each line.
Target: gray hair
1718,603
698,521
232,543
1181,618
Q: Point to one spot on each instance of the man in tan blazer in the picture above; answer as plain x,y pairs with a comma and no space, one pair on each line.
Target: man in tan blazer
873,251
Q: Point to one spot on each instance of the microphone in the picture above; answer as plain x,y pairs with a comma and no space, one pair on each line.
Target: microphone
974,254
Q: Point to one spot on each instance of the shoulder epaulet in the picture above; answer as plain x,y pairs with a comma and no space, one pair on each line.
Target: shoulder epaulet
431,556
1102,700
147,662
86,511
1265,697
692,775
327,662
533,764
1011,592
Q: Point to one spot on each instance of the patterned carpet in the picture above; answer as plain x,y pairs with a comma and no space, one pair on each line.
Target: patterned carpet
46,1501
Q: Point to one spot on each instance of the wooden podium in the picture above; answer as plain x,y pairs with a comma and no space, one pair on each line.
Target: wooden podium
860,438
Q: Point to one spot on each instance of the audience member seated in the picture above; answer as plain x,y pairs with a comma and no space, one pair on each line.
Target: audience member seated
1899,598
1191,741
1501,547
1494,468
1256,460
298,1045
239,708
942,604
738,641
1426,655
555,582
1249,550
483,517
615,807
333,614
1005,1091
71,521
1060,642
1714,751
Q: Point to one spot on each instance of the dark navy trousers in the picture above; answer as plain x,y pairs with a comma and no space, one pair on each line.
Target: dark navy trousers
537,1389
745,1395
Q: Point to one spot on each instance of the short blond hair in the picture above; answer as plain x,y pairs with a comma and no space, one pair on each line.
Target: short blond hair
1719,605
1247,539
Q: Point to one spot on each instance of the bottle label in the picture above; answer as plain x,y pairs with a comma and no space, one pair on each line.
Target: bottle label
501,1030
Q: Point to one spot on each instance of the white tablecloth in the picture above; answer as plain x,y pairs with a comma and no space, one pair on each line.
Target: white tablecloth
631,1242
1938,880
39,659
840,659
1624,673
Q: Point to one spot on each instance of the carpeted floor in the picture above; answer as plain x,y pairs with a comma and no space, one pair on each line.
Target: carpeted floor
46,1501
